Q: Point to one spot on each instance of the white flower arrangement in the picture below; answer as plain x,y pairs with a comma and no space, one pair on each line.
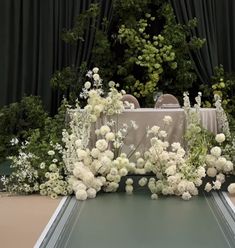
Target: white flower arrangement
93,157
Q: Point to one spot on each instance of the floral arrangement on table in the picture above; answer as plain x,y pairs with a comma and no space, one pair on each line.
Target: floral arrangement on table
175,171
92,154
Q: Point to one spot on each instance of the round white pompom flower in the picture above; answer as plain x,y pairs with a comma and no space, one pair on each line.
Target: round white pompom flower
186,196
101,144
95,70
211,172
220,137
91,193
231,188
216,151
154,196
143,181
129,189
208,187
129,181
81,195
87,85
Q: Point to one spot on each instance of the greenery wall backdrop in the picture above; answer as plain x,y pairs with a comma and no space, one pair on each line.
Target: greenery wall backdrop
32,50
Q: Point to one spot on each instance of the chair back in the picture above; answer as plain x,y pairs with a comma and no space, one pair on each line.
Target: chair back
129,100
167,99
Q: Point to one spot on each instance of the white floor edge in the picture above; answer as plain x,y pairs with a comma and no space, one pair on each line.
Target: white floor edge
230,203
52,219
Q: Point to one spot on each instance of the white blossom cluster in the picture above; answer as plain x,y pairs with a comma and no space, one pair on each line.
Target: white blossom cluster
222,120
97,103
217,165
192,114
174,174
24,178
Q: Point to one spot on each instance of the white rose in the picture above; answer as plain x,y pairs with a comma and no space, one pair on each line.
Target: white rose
111,84
81,195
140,163
154,196
186,196
109,154
78,143
220,137
216,151
211,172
220,163
231,188
96,77
101,144
104,129
228,166
87,85
114,171
129,181
208,187
110,136
123,172
95,153
210,160
95,70
143,181
91,193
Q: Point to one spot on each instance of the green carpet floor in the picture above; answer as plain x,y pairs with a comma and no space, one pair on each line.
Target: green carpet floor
121,221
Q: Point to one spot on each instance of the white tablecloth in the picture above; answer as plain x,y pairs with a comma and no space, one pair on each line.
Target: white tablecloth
148,117
145,117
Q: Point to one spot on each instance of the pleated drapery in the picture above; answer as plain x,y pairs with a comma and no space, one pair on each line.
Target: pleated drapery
31,48
216,23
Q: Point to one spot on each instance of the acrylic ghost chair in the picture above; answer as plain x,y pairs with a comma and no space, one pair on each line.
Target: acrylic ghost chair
130,101
167,100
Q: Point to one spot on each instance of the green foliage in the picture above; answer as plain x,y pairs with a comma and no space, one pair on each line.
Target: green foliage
179,36
41,139
18,120
70,81
222,84
82,22
155,59
148,52
132,51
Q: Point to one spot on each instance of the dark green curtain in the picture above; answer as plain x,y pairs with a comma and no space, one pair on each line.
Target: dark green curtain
216,23
31,49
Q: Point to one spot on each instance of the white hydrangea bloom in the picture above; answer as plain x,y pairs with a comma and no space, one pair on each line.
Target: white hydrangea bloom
101,144
186,196
81,195
154,196
231,188
216,151
208,187
217,185
220,137
129,189
211,172
143,181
